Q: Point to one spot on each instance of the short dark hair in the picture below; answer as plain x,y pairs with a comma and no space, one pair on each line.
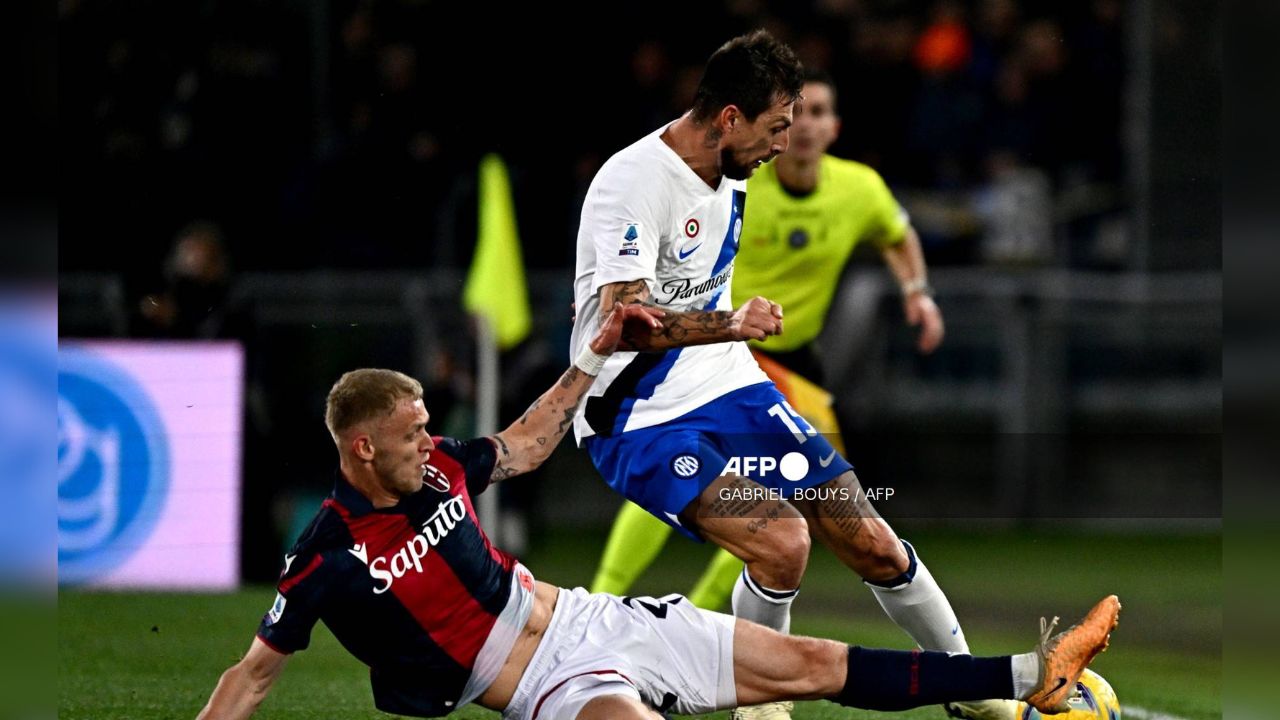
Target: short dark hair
364,394
822,77
751,71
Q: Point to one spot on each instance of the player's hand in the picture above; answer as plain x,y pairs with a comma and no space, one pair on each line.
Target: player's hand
922,311
610,332
757,319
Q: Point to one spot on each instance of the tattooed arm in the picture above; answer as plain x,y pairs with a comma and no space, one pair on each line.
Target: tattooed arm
528,442
756,319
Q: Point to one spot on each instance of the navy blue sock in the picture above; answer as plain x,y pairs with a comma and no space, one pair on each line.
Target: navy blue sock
902,679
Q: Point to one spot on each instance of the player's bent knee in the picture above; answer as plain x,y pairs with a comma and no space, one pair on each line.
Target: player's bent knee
826,662
884,553
784,565
796,544
800,668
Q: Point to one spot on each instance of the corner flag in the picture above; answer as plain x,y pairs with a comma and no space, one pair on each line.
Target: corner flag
495,288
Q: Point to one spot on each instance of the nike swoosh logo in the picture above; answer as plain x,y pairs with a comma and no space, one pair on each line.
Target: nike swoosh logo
827,460
1061,681
691,251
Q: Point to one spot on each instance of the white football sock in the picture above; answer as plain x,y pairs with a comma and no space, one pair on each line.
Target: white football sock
1026,674
771,608
915,602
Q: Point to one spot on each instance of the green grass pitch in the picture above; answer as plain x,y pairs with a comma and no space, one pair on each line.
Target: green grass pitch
157,655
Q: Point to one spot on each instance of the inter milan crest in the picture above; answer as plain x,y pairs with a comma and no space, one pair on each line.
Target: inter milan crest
798,238
685,466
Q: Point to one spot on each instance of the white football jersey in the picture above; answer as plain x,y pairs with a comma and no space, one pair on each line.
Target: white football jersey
648,216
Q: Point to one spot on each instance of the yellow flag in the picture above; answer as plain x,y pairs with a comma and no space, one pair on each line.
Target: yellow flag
495,288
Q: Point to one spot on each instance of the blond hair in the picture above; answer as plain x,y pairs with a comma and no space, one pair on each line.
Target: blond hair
363,394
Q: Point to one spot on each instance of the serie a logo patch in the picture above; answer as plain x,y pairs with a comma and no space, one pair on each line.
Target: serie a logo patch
630,240
277,610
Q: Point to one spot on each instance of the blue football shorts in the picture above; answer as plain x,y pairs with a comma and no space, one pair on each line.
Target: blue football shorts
751,432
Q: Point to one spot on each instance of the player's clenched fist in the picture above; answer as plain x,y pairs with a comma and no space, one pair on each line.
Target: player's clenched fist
757,319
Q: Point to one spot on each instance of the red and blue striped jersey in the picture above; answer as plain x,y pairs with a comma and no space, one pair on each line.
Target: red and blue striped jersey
415,591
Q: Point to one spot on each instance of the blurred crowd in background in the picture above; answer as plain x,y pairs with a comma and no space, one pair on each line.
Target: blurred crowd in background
346,133
211,140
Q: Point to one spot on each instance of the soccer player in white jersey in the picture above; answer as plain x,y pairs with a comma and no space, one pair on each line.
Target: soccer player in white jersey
685,424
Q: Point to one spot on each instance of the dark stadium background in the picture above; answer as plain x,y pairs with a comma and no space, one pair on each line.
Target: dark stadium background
1061,160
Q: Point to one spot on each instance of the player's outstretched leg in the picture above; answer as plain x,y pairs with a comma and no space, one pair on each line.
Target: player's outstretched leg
635,540
846,522
715,586
770,666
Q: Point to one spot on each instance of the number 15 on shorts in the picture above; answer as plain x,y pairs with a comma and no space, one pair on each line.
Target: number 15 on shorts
794,422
